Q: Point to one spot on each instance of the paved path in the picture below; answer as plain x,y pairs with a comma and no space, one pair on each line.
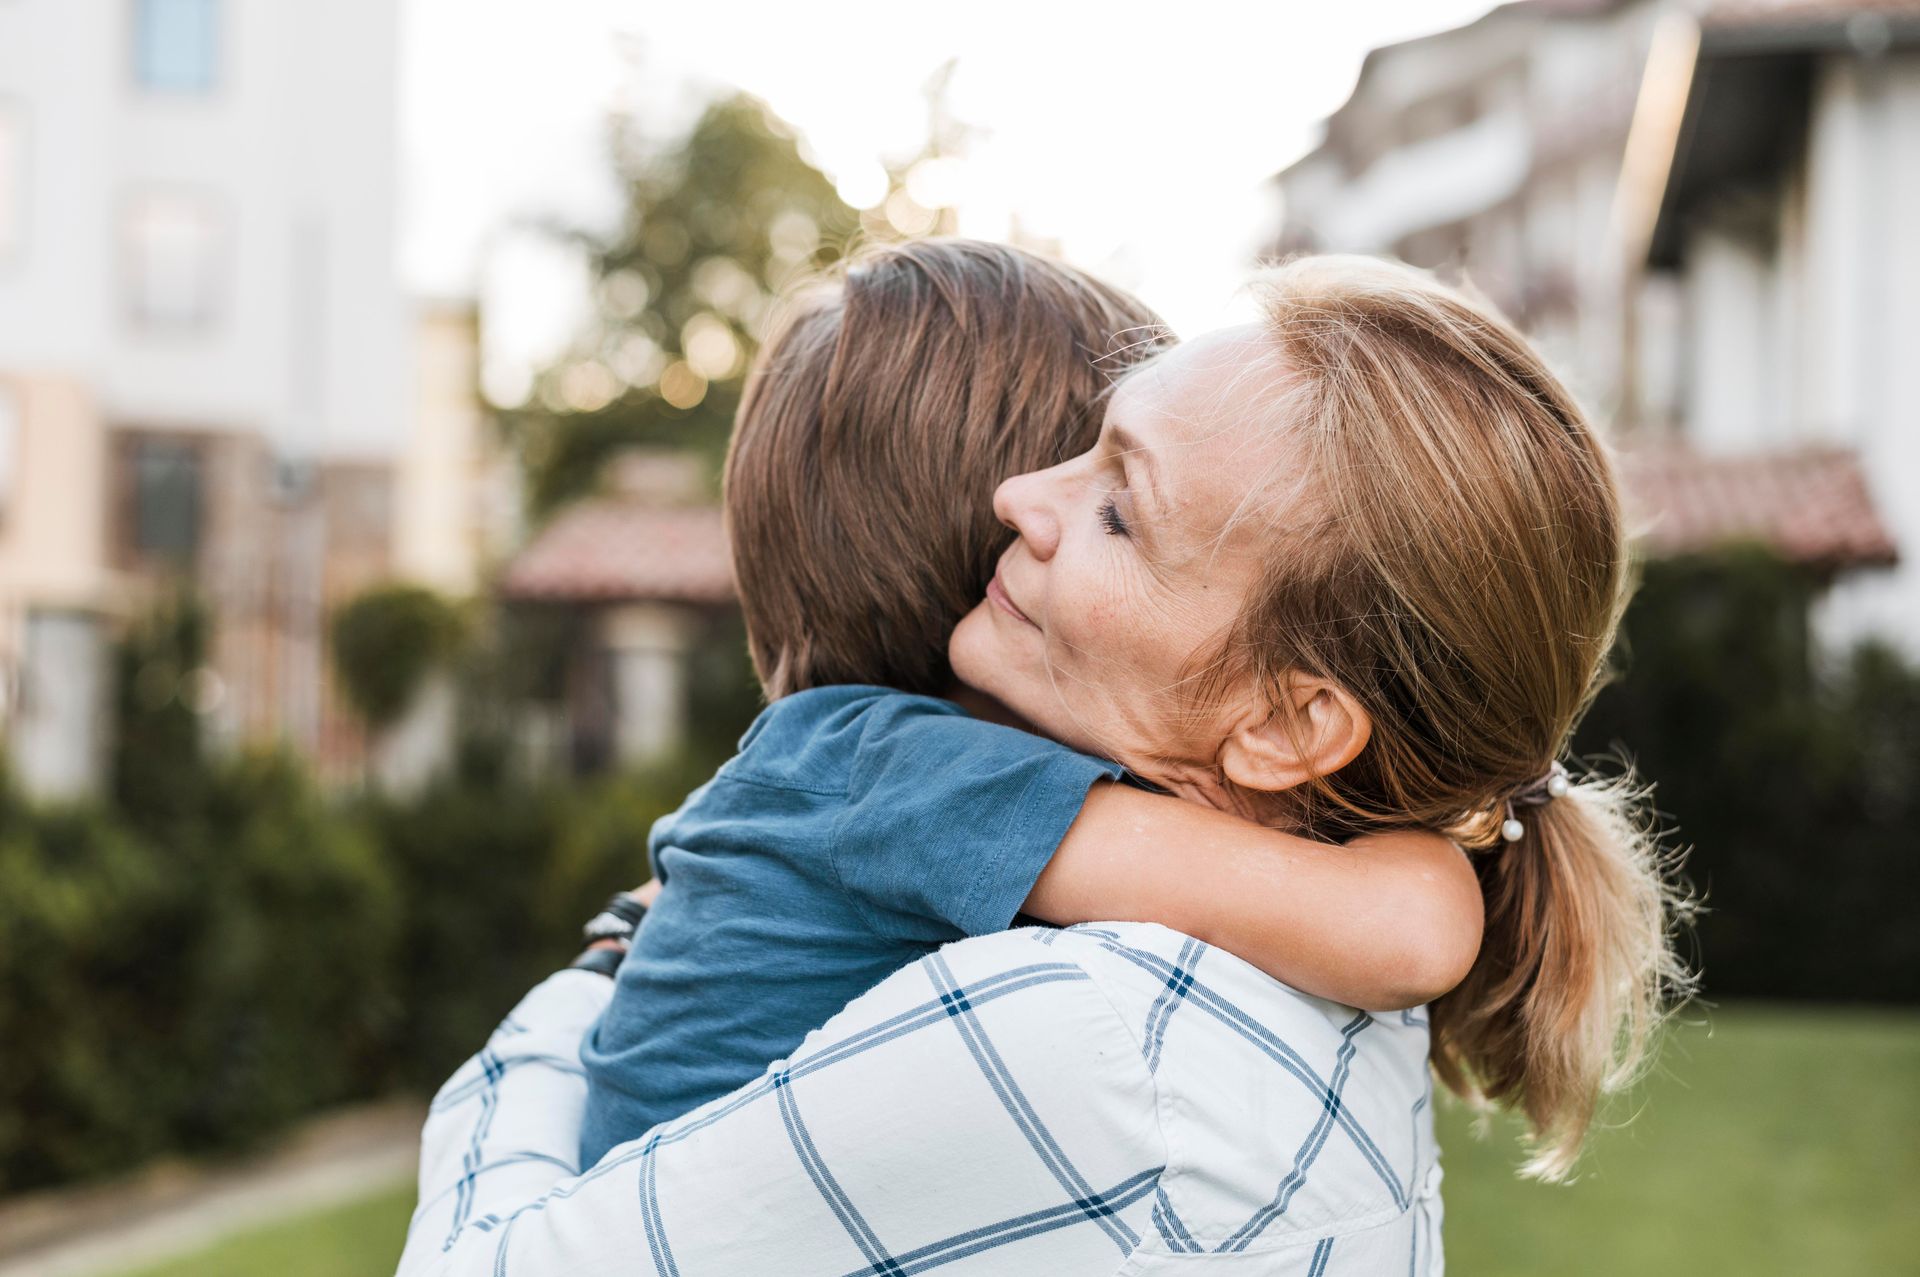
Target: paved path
176,1209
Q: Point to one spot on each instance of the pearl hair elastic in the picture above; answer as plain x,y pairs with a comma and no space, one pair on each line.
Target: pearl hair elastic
1554,784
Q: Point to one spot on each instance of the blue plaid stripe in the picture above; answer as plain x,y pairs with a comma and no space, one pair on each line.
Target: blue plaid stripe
1413,1176
878,1260
1016,1103
962,1245
1172,1231
1275,1049
1169,1001
451,1097
1310,1148
499,1163
491,1072
651,1221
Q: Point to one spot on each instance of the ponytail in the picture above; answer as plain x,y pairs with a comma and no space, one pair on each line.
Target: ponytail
1575,969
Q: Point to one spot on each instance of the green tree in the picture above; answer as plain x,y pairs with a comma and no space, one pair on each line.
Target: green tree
715,227
385,641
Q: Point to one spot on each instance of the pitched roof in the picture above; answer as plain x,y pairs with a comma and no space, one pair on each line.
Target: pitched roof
612,550
1812,505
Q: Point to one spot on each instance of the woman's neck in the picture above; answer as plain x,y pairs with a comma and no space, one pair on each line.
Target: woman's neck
985,707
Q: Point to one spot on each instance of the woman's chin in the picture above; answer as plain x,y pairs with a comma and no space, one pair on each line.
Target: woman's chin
971,650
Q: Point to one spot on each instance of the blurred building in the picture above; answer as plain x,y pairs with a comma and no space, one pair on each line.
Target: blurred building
1700,213
1492,148
208,368
1780,205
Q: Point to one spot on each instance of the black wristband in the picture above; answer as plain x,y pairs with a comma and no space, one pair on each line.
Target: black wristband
617,920
603,961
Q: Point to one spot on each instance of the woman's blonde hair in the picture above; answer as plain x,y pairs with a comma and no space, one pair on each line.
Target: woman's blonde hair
1461,569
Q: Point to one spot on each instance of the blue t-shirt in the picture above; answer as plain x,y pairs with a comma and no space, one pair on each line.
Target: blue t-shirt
857,830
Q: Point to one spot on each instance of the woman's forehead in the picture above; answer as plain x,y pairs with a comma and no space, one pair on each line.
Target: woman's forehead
1210,413
1191,393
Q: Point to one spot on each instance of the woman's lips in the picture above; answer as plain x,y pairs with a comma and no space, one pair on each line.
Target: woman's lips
1001,600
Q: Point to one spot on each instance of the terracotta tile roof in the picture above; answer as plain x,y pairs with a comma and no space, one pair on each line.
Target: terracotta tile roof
1812,505
611,550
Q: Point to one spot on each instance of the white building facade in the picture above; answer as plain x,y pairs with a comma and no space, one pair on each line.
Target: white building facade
197,286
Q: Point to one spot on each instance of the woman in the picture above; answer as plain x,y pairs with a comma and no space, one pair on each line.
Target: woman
1354,567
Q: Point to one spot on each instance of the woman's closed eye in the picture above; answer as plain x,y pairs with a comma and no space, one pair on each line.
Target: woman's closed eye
1112,520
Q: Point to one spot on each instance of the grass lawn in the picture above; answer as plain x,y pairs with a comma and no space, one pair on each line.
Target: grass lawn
361,1239
1774,1141
1778,1141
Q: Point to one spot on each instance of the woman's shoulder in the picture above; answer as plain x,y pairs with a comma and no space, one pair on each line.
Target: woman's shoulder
1258,1086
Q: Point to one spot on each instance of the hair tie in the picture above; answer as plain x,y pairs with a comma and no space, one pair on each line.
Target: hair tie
1554,783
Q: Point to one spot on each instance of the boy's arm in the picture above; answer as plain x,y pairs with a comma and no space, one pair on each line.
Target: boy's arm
1387,921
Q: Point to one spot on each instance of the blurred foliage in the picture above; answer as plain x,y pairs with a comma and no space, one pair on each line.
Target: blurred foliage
196,986
187,985
1795,785
154,767
385,641
715,227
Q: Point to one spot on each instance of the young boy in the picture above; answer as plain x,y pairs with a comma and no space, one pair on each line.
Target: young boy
866,820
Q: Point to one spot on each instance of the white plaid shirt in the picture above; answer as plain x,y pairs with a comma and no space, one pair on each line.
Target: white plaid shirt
1110,1099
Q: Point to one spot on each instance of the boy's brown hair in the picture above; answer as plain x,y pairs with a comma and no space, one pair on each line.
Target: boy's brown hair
877,423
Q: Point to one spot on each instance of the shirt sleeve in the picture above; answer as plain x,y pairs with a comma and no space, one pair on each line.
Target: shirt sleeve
988,1098
506,1126
949,820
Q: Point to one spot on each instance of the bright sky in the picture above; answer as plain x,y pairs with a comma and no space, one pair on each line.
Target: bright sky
1139,136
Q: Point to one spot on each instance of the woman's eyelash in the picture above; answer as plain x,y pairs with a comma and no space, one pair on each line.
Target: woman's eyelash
1111,520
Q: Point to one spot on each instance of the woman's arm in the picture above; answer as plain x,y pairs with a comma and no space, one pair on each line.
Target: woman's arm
506,1126
989,1097
1385,922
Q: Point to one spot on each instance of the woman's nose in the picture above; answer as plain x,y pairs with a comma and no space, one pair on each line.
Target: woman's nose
1023,504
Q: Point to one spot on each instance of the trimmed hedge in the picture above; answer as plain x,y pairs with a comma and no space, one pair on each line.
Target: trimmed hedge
196,985
189,991
1796,788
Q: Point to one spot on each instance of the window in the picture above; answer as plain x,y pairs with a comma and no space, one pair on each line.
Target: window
172,247
176,45
165,519
13,180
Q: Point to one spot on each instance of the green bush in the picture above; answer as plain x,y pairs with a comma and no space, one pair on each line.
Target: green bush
1794,784
187,987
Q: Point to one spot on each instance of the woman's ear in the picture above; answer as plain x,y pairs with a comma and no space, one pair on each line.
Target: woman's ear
1315,730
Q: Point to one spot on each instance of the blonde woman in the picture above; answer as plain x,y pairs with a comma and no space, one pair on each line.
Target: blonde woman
1355,567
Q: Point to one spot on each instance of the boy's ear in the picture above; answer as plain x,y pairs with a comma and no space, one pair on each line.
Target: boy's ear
1316,729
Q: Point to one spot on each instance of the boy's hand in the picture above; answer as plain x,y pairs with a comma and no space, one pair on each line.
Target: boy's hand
646,893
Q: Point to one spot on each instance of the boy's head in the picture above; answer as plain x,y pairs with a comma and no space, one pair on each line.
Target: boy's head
875,427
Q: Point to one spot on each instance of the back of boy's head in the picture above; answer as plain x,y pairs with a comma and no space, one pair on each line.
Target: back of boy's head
876,425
